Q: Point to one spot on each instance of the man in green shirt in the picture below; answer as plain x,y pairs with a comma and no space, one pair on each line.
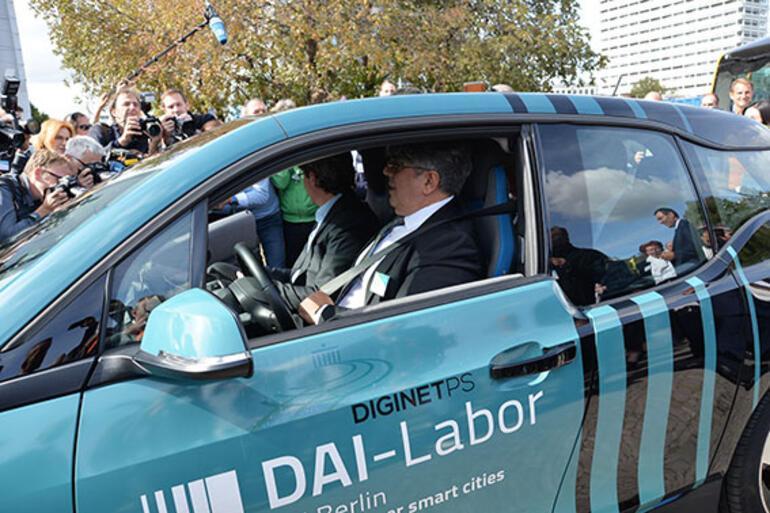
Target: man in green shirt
297,209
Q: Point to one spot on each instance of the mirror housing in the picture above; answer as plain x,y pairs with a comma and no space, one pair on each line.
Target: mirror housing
194,335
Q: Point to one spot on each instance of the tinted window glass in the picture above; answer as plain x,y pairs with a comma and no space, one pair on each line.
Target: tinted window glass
70,335
736,185
153,273
623,213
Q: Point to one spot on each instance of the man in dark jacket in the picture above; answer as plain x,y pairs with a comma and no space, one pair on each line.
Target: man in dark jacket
343,225
423,181
683,250
581,271
28,197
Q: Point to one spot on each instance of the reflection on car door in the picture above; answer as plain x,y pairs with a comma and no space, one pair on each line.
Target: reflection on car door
666,364
395,414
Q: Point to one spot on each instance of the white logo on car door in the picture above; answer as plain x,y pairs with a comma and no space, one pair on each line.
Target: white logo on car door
214,494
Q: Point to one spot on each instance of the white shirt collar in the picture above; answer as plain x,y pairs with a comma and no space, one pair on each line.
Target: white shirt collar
324,209
676,224
416,219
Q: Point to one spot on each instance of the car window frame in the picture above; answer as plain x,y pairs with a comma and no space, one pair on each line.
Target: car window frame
229,180
545,215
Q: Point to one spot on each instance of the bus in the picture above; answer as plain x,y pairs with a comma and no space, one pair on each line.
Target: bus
751,61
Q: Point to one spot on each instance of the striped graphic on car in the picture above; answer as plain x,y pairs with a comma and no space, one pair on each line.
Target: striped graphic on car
643,349
709,380
663,112
611,359
660,370
636,399
754,325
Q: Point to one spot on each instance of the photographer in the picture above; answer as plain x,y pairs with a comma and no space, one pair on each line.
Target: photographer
178,122
32,195
86,158
127,131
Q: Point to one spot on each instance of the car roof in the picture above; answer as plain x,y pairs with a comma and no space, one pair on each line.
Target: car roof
24,294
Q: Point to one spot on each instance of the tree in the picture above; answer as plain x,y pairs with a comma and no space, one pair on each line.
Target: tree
648,85
312,50
38,115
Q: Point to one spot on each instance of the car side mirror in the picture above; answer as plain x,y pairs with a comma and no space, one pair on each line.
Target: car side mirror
194,335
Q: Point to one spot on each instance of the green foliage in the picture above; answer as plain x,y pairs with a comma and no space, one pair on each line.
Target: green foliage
313,50
648,85
38,115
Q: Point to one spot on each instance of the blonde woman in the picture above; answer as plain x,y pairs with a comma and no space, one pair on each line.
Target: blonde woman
53,136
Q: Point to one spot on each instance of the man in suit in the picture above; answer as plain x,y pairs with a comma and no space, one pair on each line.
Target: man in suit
343,226
423,181
683,250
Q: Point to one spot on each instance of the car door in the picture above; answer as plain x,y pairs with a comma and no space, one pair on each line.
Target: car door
398,412
467,398
658,332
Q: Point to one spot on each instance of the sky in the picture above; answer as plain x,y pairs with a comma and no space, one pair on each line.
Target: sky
45,77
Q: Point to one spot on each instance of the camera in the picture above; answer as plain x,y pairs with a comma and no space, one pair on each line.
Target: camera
69,185
13,134
20,160
100,171
150,125
184,129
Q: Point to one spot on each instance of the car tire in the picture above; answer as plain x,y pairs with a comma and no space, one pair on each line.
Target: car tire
747,486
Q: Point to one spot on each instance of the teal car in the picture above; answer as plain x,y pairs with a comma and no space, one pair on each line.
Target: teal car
614,357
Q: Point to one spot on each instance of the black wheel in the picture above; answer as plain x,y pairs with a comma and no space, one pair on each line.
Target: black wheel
747,486
253,266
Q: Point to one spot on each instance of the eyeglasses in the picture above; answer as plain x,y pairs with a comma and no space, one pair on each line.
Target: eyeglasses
82,164
58,177
84,127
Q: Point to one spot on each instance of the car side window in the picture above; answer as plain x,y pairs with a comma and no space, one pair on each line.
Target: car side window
70,335
623,215
158,270
736,186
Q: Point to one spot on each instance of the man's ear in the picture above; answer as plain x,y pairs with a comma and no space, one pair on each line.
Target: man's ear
37,174
431,183
311,178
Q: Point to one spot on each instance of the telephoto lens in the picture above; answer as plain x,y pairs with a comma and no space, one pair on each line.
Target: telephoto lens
151,126
69,185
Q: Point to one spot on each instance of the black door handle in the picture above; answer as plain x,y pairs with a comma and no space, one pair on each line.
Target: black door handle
508,364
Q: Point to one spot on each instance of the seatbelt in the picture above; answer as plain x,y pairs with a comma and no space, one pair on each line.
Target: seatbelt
335,284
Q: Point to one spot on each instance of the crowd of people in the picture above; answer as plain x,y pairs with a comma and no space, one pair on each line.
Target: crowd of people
93,150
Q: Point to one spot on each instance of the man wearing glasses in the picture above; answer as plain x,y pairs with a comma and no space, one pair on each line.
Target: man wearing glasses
30,196
423,181
79,122
84,155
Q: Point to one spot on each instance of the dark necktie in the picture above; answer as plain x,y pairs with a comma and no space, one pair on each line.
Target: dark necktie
396,221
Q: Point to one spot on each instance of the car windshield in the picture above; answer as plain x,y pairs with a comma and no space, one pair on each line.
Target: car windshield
23,249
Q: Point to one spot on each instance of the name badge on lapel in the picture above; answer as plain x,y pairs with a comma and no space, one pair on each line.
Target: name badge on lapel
379,284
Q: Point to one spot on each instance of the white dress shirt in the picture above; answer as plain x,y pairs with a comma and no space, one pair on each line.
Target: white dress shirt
356,295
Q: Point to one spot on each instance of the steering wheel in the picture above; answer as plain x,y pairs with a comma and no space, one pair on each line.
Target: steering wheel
278,304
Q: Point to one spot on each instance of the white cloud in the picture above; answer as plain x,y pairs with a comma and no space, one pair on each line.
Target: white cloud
614,195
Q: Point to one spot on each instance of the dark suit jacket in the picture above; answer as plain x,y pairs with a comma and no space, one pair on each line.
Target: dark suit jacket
444,256
684,244
342,236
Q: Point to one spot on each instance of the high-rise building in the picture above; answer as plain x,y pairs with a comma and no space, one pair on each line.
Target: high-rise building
10,50
677,42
